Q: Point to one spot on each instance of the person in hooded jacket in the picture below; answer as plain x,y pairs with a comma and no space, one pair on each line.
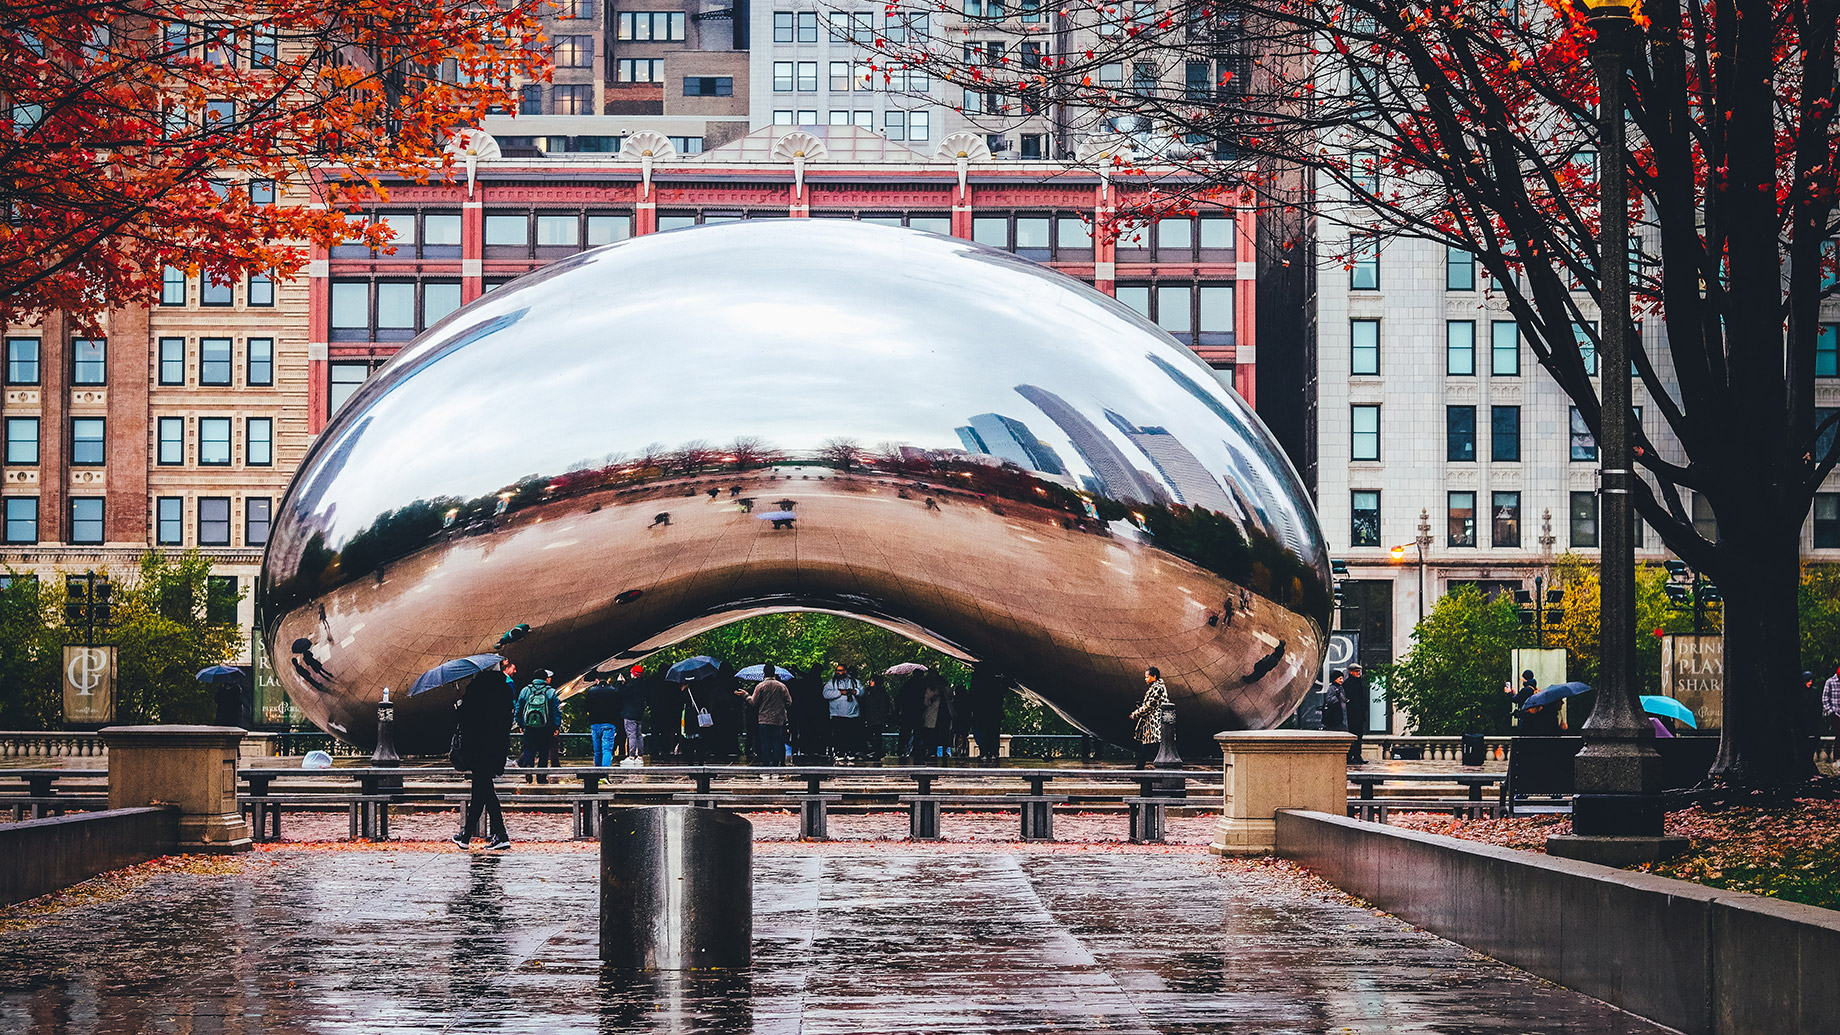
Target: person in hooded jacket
485,739
538,712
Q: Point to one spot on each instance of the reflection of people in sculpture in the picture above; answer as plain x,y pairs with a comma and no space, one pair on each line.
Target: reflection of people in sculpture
1149,716
663,518
931,503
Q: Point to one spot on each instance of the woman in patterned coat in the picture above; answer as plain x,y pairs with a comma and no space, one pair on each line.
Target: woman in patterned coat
1149,716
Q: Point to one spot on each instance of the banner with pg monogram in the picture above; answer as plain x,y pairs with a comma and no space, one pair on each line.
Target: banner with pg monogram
89,685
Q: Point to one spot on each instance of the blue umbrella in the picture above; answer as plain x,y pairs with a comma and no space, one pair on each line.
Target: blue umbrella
449,671
1555,692
693,668
220,674
760,672
1668,708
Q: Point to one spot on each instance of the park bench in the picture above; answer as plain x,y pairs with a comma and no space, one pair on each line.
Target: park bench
1540,768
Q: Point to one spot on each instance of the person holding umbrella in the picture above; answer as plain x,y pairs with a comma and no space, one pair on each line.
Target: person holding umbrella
484,741
229,683
772,704
909,709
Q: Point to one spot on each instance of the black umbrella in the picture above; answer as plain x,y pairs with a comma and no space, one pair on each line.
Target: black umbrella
693,668
1555,692
450,671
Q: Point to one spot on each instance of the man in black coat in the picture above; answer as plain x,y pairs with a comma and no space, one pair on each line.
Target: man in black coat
603,702
631,692
483,716
1356,690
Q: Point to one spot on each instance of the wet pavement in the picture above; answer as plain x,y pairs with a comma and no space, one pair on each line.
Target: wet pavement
865,939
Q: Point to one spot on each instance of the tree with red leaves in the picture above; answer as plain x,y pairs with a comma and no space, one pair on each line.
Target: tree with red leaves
1472,124
143,134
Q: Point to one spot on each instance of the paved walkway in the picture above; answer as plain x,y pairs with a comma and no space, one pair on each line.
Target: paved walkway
847,940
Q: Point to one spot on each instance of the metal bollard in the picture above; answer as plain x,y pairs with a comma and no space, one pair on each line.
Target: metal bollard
676,888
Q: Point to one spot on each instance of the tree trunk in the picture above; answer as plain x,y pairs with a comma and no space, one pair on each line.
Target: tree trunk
1758,749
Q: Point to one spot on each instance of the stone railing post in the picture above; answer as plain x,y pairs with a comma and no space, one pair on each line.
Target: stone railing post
1268,770
192,768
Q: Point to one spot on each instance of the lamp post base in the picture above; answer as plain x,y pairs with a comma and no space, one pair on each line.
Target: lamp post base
1614,851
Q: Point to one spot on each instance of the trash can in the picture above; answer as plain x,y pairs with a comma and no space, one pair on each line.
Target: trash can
676,889
1473,749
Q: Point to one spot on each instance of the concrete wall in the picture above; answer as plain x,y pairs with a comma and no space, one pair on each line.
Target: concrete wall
1694,958
45,855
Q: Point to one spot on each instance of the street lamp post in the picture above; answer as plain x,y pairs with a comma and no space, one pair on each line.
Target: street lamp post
1422,542
1617,810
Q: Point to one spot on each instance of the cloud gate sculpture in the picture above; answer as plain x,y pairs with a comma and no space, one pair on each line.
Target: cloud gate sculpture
664,435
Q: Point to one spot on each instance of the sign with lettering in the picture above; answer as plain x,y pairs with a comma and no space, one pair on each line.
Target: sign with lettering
89,686
1693,673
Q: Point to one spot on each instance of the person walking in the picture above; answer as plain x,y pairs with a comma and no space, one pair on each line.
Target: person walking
772,704
538,714
811,714
1335,702
1356,692
874,717
485,738
910,710
842,693
603,702
630,692
1149,716
935,716
1830,709
987,690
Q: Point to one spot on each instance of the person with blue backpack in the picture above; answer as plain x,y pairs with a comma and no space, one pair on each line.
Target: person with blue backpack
538,714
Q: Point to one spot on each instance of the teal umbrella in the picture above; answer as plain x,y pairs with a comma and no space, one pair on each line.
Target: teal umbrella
1668,708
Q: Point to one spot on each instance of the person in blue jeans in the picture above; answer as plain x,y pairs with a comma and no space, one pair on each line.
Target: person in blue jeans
603,702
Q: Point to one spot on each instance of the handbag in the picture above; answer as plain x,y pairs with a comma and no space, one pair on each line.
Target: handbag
456,752
703,718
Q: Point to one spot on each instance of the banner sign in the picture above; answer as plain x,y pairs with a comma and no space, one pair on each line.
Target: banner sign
89,686
1693,673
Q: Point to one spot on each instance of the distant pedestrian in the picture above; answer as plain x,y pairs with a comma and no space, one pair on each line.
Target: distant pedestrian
603,702
909,710
772,703
875,711
1335,702
230,703
1355,690
842,693
631,693
1830,709
811,714
485,738
935,729
1149,716
988,688
539,715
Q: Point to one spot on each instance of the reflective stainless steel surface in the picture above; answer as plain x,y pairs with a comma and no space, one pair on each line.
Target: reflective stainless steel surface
966,447
677,888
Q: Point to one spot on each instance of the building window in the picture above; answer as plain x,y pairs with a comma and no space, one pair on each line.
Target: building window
895,125
172,361
655,26
22,440
1073,238
508,233
88,441
782,26
264,47
214,361
573,99
213,441
1827,350
214,521
346,379
169,520
441,235
1137,297
86,520
261,361
1827,520
573,52
22,519
89,363
1584,445
260,444
1459,433
1363,262
808,26
440,298
1705,522
1824,442
1505,524
1505,348
559,231
1364,346
1216,311
261,289
709,86
1365,433
1505,434
1364,527
171,450
782,77
1462,510
918,125
808,76
991,230
1584,519
216,289
1175,240
395,310
351,310
1460,348
1459,270
220,599
840,79
258,513
172,286
606,229
22,361
1586,336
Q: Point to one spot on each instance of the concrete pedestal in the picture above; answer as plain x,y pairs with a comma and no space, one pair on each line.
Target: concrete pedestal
190,767
677,889
1268,770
